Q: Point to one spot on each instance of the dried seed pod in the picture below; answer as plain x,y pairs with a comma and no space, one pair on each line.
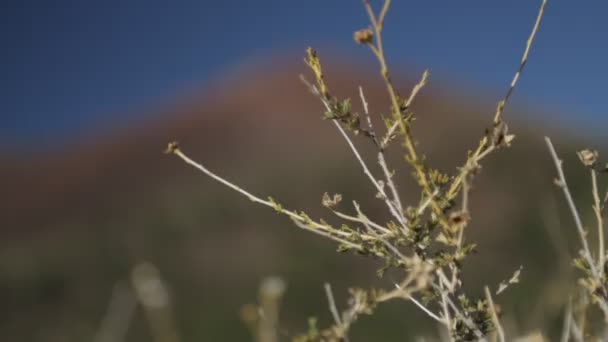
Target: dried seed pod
364,36
588,157
172,147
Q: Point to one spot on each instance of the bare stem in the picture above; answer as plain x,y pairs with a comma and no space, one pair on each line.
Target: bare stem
499,329
397,113
370,124
381,159
118,316
365,220
524,59
567,324
332,305
389,245
446,311
312,226
561,182
577,333
426,310
395,211
391,131
485,146
383,12
597,208
153,295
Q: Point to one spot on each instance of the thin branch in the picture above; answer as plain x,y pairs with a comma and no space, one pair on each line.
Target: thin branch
118,316
597,208
426,310
483,150
396,109
394,211
567,324
421,306
391,206
466,320
446,282
445,298
302,225
499,330
485,147
371,14
465,209
153,295
332,304
370,125
391,131
389,245
577,334
365,220
389,181
427,202
270,294
232,186
446,310
524,59
602,304
381,159
561,182
313,226
387,4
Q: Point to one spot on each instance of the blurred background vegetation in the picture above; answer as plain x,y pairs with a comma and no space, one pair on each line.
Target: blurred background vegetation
76,216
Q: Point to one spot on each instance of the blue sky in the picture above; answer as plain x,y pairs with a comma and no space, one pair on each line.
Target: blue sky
70,66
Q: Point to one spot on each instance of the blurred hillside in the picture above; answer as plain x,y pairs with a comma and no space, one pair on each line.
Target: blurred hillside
75,221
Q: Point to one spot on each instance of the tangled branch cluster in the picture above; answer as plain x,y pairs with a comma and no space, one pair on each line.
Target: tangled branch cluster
425,241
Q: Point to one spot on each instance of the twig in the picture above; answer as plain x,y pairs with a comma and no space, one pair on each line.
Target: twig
371,177
271,292
408,141
390,182
153,295
396,212
577,334
524,60
499,330
567,324
595,274
381,159
376,226
426,310
485,147
421,306
368,118
427,202
408,104
302,225
443,282
446,310
313,226
465,210
383,12
389,245
597,208
466,320
118,316
332,304
561,182
334,310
